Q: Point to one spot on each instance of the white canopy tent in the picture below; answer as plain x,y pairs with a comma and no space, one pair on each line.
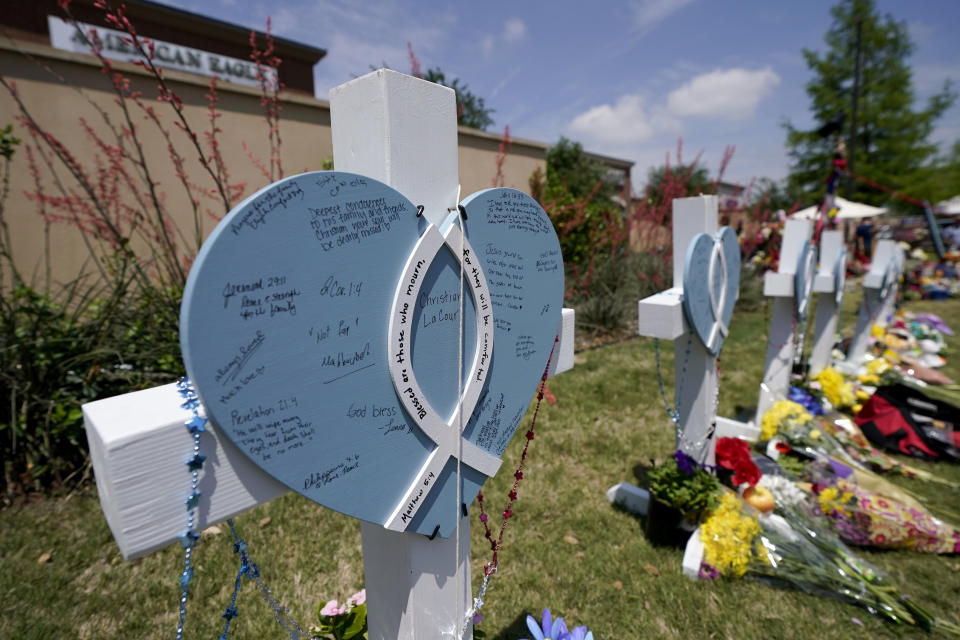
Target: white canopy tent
951,206
848,210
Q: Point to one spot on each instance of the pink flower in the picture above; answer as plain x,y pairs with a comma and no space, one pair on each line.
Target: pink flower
332,608
358,598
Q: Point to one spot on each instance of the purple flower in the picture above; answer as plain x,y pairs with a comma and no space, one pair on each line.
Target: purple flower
806,400
707,572
685,463
581,633
548,629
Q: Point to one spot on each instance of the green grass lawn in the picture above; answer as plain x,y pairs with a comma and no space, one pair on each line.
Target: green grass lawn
565,548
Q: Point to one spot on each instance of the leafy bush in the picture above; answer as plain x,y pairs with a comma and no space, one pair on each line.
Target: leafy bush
607,302
113,328
687,490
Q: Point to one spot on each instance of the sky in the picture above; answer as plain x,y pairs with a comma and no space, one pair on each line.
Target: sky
627,79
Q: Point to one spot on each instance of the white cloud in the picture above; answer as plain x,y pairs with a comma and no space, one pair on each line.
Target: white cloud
514,29
731,94
624,122
648,13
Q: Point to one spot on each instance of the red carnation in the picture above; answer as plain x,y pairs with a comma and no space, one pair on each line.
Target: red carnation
734,454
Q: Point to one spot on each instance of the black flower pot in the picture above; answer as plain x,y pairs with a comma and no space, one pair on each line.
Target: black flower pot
666,526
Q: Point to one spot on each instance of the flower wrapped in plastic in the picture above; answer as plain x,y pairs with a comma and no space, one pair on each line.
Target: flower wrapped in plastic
790,428
864,510
837,389
771,548
786,418
857,449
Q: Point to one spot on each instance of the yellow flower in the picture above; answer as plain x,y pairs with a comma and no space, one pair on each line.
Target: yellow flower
815,433
837,390
857,408
862,395
832,501
728,535
877,331
780,412
894,342
878,366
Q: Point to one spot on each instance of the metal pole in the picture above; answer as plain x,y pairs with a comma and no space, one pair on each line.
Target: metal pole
852,143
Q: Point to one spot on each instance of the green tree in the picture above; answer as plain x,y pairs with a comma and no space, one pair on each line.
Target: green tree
891,145
571,171
770,195
471,109
944,181
676,181
579,199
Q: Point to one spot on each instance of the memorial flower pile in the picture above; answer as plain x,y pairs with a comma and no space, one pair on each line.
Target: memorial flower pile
792,429
790,549
881,515
859,506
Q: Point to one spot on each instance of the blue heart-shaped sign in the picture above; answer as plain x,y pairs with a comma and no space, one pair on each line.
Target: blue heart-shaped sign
803,279
711,284
321,325
840,275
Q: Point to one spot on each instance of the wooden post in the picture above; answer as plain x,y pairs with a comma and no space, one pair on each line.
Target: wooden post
788,310
695,366
879,293
828,286
661,316
401,131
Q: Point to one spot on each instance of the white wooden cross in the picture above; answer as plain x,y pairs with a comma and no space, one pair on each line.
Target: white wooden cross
787,311
879,295
399,130
829,289
661,316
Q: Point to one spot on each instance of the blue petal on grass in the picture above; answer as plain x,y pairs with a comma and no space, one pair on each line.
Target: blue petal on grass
548,628
581,633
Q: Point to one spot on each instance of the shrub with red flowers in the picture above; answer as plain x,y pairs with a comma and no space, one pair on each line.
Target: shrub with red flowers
733,454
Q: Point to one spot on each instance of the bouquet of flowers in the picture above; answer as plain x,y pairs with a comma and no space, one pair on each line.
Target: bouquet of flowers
680,490
881,515
738,543
838,391
789,427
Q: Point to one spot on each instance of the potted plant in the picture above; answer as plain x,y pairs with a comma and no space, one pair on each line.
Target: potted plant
680,490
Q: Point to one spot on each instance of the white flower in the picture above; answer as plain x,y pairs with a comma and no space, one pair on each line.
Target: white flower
784,491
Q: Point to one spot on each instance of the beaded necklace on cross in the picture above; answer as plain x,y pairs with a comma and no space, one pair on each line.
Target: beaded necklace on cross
493,565
673,412
196,425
